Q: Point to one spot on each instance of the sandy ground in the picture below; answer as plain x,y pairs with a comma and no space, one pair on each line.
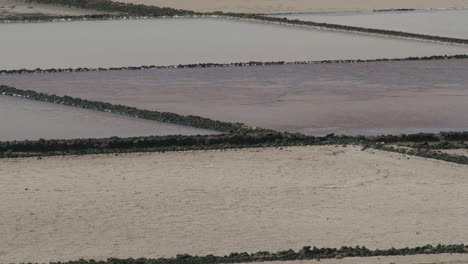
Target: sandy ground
152,205
461,152
299,6
21,8
419,259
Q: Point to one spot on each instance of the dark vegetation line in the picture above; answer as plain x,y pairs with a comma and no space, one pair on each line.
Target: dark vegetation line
220,65
237,136
306,253
425,153
139,10
114,145
193,121
119,8
54,18
395,10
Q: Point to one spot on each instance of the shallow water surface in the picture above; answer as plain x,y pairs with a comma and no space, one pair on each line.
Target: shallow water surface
23,119
191,40
357,98
447,23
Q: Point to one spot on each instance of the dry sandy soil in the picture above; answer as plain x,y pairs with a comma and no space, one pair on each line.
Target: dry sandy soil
461,152
162,204
299,6
21,8
419,259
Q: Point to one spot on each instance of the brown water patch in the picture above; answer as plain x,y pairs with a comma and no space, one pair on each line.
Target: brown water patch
23,119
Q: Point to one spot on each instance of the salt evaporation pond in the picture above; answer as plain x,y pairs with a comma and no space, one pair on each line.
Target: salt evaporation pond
191,40
356,98
23,119
447,23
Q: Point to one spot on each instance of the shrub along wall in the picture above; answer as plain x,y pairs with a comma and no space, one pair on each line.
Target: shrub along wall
28,148
49,18
306,253
118,7
421,137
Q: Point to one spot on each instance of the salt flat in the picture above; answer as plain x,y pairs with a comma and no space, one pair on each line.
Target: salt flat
298,6
445,23
355,98
162,204
23,119
192,40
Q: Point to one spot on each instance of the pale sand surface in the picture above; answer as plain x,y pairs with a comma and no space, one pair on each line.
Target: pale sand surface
22,8
418,259
153,205
461,152
299,6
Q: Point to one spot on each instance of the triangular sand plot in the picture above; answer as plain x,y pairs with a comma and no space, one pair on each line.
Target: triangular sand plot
350,98
192,40
444,23
23,119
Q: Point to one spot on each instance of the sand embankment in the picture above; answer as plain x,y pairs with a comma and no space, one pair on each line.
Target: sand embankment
152,205
299,6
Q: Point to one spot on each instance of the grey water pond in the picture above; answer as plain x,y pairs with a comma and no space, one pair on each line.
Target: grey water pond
191,40
446,23
346,98
24,119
